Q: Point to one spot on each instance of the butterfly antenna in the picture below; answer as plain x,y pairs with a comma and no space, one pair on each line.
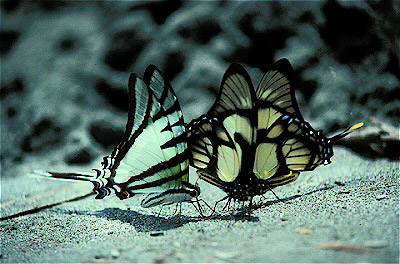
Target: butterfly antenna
346,132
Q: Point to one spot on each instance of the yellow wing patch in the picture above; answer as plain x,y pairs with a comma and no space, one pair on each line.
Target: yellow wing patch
266,161
266,117
297,154
228,162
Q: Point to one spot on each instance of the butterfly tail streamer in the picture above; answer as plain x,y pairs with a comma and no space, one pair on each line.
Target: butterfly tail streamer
65,176
99,183
346,132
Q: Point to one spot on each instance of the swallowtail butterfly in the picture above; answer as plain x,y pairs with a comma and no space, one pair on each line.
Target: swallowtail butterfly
251,141
153,155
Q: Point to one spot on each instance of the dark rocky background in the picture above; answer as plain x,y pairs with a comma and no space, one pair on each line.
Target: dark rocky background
65,65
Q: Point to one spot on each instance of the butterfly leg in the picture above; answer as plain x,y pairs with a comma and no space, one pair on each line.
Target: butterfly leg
276,196
251,203
158,215
180,208
198,207
209,207
215,205
176,209
228,205
249,207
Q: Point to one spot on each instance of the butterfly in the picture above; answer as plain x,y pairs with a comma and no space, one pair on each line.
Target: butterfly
153,155
251,141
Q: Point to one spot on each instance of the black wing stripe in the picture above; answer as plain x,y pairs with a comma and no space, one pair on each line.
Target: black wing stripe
280,96
276,89
260,92
124,146
200,161
174,161
159,182
201,152
172,109
174,141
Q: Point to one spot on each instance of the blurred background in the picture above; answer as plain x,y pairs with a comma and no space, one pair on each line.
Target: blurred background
65,67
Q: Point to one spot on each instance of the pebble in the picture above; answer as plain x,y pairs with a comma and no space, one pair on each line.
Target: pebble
154,234
375,243
115,253
283,217
304,231
380,197
227,255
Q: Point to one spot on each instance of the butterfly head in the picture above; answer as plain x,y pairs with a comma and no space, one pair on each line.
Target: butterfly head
323,151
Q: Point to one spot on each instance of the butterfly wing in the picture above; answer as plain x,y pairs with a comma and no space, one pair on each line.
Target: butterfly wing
236,92
171,108
214,152
215,139
152,158
275,89
282,129
285,142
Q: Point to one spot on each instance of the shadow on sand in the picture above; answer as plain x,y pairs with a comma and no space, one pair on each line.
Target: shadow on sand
151,223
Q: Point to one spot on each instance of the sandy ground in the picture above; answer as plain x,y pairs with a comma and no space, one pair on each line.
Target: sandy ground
345,212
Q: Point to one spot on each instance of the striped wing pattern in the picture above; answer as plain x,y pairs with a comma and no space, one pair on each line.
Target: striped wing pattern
263,128
236,92
153,155
275,88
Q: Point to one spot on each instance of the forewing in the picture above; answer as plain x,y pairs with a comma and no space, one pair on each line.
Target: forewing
170,107
276,88
236,92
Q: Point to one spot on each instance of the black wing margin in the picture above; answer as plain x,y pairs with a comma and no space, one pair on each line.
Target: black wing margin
276,89
236,92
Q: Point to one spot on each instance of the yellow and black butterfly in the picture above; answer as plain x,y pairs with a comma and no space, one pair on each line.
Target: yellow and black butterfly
153,156
251,141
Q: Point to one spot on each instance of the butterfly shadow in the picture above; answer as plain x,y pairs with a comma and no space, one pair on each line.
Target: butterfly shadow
244,213
286,199
141,222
